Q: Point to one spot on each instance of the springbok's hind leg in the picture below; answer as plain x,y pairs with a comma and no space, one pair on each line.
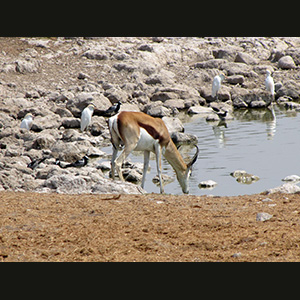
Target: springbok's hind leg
158,166
146,165
119,161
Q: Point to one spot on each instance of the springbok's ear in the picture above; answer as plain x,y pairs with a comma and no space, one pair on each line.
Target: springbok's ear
193,160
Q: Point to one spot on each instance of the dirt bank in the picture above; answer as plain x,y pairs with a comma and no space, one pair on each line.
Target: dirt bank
153,227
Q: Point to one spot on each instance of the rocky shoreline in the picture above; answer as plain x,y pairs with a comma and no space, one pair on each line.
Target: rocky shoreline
54,79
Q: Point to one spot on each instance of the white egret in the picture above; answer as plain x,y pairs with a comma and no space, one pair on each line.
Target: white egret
86,117
27,121
216,85
269,82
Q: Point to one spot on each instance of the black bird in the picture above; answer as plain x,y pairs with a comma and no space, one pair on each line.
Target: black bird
33,164
113,110
78,163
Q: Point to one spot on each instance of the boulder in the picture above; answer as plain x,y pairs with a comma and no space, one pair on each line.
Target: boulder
287,188
235,79
156,109
183,138
27,66
290,88
286,62
237,68
193,110
96,53
245,58
83,99
173,124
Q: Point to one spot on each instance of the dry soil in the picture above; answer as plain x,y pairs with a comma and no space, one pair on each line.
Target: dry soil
152,227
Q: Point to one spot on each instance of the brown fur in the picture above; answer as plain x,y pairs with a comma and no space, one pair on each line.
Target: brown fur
131,121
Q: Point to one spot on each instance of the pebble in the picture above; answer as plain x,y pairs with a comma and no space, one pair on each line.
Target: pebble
262,216
236,255
207,184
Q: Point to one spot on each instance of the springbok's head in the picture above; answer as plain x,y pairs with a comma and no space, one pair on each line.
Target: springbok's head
183,179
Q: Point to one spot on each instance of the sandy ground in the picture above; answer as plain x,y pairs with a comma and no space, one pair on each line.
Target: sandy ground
152,227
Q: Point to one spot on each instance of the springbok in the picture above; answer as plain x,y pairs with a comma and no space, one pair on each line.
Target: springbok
141,132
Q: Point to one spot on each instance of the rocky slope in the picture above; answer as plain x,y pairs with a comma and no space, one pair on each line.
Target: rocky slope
56,78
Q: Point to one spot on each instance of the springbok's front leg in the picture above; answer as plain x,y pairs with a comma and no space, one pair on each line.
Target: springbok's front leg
113,158
158,166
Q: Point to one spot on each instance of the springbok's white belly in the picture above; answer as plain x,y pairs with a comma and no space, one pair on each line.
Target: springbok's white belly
146,142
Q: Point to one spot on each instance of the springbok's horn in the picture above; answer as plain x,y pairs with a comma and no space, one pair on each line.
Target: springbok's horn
194,158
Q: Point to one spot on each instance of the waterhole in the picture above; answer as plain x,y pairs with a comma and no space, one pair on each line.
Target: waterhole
263,142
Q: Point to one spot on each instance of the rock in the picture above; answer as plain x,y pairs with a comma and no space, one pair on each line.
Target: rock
156,109
254,98
184,138
43,141
69,151
286,62
291,178
157,39
228,53
174,104
290,88
165,178
104,166
132,175
294,53
237,255
96,53
262,217
82,76
236,68
287,188
243,177
199,110
223,93
173,124
83,99
163,77
245,58
163,96
235,79
207,184
27,66
210,64
145,47
107,186
70,122
238,173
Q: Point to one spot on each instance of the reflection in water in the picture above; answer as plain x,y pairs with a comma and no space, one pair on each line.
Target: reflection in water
271,124
267,116
220,133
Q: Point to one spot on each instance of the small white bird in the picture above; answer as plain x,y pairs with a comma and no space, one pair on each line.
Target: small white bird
269,82
216,85
27,121
86,117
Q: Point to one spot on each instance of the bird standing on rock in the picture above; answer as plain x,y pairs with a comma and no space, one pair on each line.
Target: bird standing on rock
27,121
269,82
216,85
111,111
78,163
86,117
